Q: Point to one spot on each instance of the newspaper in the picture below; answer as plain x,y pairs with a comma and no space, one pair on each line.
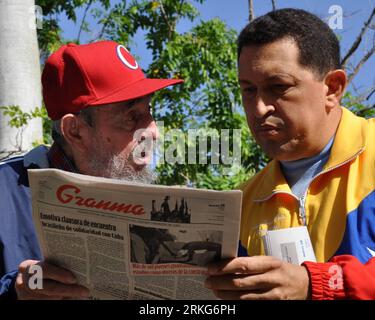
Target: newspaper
292,245
133,241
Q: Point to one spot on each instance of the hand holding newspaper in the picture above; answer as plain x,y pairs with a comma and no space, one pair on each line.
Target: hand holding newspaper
133,241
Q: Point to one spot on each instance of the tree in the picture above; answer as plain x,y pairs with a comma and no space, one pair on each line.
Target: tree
360,103
21,85
251,10
205,57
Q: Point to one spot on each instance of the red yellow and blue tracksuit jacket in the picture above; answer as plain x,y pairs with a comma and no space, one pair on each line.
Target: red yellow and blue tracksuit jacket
339,209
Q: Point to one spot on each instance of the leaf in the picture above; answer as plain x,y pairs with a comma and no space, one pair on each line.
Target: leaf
154,5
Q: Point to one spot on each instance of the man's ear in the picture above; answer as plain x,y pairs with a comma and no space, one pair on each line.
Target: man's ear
75,132
335,82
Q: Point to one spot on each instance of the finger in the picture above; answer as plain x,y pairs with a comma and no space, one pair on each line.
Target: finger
22,281
58,274
24,265
32,295
240,295
44,297
51,290
49,270
60,290
57,289
24,292
239,282
244,265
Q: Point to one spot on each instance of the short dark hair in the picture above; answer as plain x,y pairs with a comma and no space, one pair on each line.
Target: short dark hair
318,46
86,114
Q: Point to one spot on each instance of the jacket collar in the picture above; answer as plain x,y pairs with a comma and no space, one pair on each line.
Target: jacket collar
348,143
36,158
41,157
59,160
272,182
350,140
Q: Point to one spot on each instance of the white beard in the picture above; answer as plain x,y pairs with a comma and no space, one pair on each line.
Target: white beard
108,165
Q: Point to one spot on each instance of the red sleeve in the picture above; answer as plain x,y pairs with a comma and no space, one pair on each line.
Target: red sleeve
344,277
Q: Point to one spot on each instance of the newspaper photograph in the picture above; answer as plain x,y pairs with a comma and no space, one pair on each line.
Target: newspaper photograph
133,241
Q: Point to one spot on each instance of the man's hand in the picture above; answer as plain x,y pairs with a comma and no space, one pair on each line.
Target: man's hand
258,278
58,283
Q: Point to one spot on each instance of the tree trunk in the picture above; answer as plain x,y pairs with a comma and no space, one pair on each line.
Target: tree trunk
251,11
19,73
273,5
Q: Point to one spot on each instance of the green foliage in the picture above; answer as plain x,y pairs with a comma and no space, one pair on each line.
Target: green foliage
69,7
360,109
205,57
49,37
19,119
157,18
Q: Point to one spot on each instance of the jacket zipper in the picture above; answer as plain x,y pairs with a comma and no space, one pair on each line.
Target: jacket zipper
301,210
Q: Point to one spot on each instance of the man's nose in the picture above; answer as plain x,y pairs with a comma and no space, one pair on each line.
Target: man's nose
262,106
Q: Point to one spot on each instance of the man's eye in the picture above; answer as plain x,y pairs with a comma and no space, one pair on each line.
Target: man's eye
249,90
280,87
128,123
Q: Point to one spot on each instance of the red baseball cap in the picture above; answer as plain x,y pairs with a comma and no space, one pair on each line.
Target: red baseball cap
78,76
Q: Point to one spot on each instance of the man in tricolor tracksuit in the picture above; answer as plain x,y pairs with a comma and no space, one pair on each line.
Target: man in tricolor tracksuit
323,170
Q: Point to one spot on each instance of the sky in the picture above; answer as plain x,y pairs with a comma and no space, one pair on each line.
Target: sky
235,14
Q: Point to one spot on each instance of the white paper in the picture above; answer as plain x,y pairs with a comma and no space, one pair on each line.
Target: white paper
291,245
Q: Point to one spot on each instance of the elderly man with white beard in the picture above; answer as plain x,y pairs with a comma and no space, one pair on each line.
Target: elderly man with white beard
99,101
